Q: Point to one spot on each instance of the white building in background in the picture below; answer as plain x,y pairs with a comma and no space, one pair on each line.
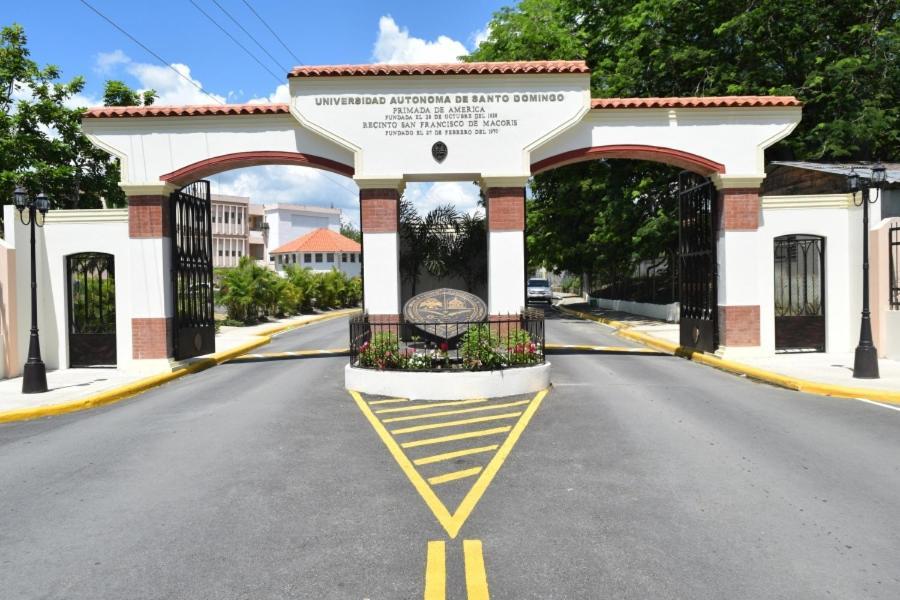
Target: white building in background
240,228
287,222
230,238
320,250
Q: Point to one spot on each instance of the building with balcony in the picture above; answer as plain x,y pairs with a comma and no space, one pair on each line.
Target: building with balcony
229,229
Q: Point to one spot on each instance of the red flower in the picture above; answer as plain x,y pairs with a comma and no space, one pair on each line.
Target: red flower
444,346
532,347
518,349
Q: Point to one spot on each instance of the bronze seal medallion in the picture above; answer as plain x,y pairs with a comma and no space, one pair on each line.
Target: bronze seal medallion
444,305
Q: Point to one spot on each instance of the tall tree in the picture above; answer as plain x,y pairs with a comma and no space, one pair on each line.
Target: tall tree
41,143
839,58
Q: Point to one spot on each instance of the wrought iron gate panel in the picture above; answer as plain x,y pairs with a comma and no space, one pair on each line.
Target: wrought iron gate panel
91,299
894,254
697,268
800,293
192,273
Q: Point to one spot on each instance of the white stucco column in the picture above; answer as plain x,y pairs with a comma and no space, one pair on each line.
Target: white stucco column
738,256
506,243
152,310
379,210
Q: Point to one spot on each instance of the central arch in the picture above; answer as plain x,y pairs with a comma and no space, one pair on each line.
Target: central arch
670,156
238,160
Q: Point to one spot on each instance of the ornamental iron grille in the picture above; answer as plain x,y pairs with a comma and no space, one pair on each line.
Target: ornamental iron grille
800,293
894,260
192,271
91,299
697,268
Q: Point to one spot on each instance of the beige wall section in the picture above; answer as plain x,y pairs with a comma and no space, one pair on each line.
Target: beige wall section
10,365
885,323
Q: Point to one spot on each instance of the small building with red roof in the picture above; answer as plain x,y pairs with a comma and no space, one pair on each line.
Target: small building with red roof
320,250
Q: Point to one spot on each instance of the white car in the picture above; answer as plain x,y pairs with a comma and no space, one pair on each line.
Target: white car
539,291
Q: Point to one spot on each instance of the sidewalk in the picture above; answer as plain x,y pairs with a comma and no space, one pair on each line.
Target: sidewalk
78,389
820,373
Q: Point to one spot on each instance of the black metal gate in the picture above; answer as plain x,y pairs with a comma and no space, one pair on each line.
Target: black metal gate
91,298
894,266
192,278
697,269
800,293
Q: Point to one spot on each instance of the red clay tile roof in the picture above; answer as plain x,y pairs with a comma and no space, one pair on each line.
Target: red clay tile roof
707,102
319,240
185,111
475,68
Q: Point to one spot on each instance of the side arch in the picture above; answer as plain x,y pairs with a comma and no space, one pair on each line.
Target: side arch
238,160
678,158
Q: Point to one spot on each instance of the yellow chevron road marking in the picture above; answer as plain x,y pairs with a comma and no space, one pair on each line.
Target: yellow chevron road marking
452,522
447,413
454,476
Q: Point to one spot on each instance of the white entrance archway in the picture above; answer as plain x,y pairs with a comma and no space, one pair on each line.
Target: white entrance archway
500,123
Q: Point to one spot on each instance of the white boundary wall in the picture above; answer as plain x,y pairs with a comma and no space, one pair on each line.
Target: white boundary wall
833,217
664,312
70,232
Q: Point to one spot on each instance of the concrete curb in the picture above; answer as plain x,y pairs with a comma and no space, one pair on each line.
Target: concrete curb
784,381
142,385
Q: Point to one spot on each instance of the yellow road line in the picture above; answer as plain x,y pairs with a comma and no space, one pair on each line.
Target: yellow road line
455,436
430,405
476,575
447,413
391,401
468,503
436,571
454,475
457,423
427,460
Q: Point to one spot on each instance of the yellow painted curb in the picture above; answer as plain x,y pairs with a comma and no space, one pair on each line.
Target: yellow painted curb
784,381
142,385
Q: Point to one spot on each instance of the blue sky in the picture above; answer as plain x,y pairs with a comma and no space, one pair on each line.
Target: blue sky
68,34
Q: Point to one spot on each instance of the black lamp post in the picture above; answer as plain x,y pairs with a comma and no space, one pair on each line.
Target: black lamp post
865,363
34,375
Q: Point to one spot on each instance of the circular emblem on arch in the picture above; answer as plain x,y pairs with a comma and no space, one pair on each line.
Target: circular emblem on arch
439,151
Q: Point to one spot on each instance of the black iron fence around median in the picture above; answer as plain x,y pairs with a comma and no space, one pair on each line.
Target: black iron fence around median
501,342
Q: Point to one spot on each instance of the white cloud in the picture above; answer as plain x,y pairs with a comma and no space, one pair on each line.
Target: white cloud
395,45
108,61
171,87
291,185
427,196
481,36
281,95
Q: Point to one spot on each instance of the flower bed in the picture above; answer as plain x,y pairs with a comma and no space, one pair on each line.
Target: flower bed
501,343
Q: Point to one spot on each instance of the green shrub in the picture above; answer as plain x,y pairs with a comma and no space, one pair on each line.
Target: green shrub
478,348
382,351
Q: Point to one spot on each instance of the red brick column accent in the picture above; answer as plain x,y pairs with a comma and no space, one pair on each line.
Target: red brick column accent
151,337
506,208
148,216
379,210
739,209
739,326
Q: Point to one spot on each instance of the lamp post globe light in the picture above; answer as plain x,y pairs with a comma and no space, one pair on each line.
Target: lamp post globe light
865,361
34,374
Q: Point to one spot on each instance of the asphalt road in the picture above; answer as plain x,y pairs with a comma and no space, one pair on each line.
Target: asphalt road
636,477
